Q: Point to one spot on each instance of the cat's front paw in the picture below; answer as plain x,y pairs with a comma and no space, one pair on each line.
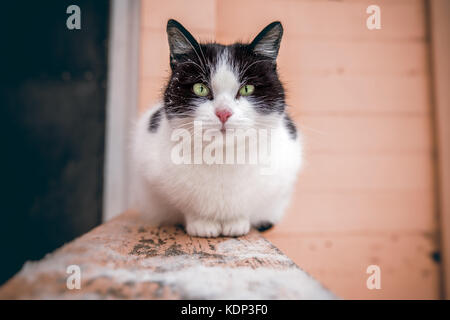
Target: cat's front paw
203,228
235,228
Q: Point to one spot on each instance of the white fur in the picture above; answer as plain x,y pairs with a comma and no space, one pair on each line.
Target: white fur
216,199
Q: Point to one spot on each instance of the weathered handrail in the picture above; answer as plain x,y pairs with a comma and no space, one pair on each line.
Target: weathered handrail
126,259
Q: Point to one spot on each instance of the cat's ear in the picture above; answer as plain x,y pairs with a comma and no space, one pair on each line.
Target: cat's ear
181,42
267,42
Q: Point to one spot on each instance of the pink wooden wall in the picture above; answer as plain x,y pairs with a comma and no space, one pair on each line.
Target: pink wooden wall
362,100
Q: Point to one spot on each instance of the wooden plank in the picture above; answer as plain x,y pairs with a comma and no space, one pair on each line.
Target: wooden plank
368,172
440,35
340,260
193,14
352,134
154,54
335,56
128,259
358,94
321,19
350,211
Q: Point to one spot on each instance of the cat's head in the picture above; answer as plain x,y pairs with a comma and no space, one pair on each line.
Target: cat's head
233,86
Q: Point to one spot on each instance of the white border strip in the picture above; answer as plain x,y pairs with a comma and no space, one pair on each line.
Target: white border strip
121,103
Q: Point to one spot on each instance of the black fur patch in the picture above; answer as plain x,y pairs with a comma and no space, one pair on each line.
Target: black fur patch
262,73
155,120
290,126
264,226
197,66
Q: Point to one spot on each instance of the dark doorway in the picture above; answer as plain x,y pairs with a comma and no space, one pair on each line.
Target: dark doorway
52,110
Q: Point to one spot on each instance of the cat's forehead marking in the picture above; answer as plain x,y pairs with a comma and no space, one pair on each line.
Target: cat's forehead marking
224,78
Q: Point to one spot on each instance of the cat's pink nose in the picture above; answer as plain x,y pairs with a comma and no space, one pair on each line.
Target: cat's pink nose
223,114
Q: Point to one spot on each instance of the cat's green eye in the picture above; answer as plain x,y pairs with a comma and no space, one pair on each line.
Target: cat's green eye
200,89
247,90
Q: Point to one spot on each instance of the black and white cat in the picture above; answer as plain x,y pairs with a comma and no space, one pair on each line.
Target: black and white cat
223,89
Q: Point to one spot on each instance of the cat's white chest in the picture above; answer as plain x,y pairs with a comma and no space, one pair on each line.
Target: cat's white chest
217,193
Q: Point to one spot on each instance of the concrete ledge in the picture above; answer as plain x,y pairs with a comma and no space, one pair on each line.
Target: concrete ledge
127,259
